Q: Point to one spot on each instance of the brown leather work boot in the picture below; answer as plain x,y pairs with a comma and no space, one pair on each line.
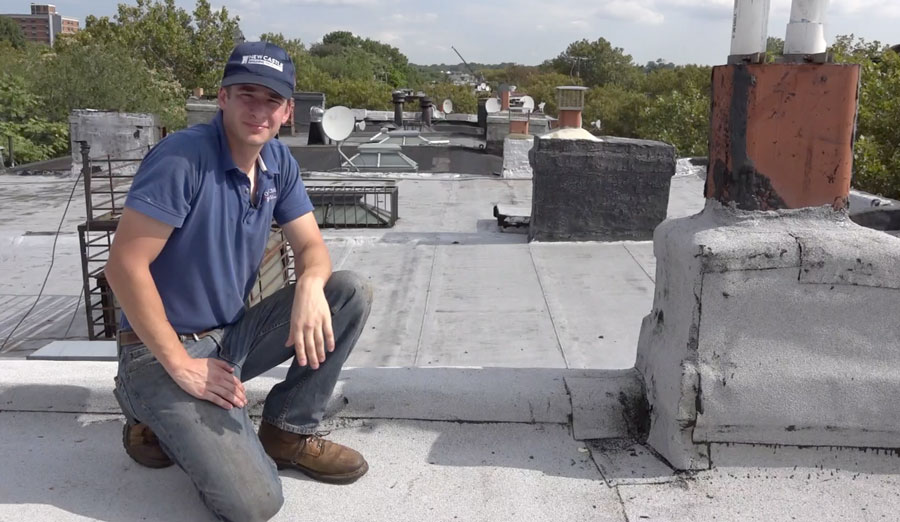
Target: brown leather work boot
318,458
143,446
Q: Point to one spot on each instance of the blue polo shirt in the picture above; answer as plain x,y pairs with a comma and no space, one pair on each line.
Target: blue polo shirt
207,267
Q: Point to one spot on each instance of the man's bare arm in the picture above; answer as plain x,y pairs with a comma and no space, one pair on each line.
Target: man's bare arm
311,333
311,255
138,240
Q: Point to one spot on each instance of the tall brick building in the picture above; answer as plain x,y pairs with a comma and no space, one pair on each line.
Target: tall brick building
44,24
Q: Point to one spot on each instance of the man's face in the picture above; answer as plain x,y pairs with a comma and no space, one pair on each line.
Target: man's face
252,113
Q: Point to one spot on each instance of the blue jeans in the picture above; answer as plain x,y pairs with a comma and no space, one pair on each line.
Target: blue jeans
219,448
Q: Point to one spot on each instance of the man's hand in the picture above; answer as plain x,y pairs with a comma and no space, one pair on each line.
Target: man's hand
210,379
311,332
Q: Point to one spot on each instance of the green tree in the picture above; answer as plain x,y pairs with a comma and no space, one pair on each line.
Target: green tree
22,62
681,78
193,49
618,109
658,64
108,77
34,137
774,48
11,32
597,63
876,162
680,118
294,47
212,43
345,55
464,100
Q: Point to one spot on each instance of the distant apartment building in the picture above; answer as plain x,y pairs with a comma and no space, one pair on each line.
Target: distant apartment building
460,78
44,24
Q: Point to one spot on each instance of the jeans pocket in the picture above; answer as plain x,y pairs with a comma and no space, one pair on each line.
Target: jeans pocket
136,358
222,353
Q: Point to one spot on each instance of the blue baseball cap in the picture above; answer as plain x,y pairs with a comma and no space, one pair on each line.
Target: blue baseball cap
260,63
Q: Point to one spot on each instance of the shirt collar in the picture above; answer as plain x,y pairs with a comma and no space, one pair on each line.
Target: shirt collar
267,163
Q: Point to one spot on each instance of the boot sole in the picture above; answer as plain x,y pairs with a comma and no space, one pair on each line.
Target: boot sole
143,461
346,478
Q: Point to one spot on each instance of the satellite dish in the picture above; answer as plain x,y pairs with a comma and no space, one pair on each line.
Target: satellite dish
597,124
361,125
447,107
527,103
492,105
338,122
541,106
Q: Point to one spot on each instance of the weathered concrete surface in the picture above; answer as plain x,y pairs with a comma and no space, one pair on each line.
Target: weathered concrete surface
119,135
398,274
608,405
466,313
201,111
741,494
596,299
70,350
606,190
68,467
444,394
438,214
516,163
624,462
498,129
771,328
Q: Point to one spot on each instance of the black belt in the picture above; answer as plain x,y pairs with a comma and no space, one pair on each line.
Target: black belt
129,337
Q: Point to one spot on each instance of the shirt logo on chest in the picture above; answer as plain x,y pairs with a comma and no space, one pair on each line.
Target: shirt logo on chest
269,194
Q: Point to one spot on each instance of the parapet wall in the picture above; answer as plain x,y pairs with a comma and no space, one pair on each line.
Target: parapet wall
775,328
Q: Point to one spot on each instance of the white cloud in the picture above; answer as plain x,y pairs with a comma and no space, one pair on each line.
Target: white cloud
631,11
411,18
889,8
724,8
331,2
388,37
710,9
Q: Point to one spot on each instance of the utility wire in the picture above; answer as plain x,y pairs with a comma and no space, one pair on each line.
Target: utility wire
52,260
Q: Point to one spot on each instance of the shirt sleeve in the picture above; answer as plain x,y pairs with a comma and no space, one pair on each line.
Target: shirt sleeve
293,201
165,184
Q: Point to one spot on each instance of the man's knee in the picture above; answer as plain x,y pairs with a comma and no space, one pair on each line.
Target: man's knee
347,289
256,502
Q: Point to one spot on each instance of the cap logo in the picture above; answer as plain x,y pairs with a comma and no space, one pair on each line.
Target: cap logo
261,59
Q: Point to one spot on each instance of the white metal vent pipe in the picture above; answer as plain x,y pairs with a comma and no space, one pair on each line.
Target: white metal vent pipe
806,30
749,28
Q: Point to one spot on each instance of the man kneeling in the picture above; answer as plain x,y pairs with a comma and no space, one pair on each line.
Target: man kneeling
186,254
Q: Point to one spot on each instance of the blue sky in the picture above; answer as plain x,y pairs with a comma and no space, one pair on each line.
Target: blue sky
524,31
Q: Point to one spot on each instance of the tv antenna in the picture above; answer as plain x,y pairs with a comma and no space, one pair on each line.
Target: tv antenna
478,77
576,65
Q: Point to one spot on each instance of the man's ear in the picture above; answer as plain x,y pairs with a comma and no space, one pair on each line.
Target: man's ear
223,94
289,113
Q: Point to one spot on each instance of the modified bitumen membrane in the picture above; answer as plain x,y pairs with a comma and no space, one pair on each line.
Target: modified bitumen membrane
458,393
